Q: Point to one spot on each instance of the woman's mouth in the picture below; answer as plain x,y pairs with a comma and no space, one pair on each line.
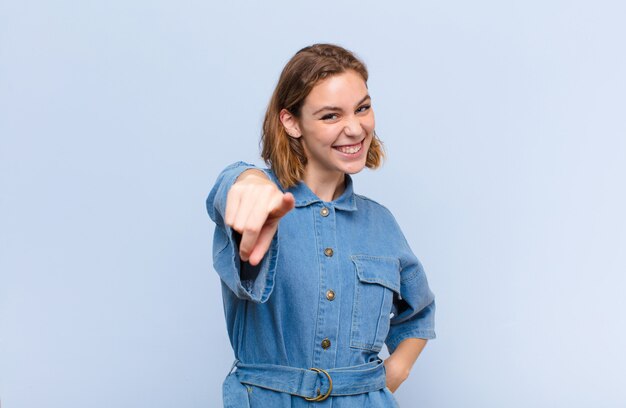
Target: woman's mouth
350,149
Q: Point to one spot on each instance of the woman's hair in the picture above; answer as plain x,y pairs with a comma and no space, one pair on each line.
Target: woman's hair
285,154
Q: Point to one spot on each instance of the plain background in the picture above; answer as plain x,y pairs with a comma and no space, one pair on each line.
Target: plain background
504,123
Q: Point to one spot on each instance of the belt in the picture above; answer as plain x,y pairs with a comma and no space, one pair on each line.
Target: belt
314,384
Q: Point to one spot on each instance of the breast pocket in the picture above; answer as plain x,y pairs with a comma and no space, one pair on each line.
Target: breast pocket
377,278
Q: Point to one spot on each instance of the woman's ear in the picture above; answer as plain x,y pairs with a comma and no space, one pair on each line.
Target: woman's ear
290,123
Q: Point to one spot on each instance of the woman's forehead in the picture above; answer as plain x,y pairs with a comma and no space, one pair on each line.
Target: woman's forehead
341,90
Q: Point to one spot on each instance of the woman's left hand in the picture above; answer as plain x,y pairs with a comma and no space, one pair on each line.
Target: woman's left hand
398,365
396,371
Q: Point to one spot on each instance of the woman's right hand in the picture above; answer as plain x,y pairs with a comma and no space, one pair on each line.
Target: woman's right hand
254,206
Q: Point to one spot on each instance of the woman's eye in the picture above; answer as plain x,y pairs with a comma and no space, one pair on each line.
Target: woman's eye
330,116
363,108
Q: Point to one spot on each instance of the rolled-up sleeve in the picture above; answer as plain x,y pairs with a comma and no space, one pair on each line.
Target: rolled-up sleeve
254,283
414,309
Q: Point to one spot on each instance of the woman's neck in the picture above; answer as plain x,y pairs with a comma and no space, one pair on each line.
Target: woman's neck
327,187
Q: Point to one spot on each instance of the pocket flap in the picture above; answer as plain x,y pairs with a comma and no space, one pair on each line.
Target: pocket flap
384,271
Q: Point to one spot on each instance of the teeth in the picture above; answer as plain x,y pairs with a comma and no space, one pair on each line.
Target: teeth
350,149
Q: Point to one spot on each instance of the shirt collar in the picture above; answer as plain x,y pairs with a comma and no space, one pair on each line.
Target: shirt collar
304,196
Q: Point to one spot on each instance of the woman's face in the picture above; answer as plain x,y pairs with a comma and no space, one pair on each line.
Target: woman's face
336,126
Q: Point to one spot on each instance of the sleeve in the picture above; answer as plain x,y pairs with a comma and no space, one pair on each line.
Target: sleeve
254,283
414,309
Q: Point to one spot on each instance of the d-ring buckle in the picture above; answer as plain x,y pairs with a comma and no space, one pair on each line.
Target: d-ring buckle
330,386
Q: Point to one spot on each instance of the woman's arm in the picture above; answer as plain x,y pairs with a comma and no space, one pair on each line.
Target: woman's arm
398,365
252,281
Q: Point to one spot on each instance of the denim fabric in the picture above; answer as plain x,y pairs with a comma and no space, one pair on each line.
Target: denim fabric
279,312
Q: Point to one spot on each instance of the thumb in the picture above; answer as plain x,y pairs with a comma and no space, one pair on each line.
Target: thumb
284,206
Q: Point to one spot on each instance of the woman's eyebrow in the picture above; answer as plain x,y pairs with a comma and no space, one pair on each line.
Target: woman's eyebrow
336,108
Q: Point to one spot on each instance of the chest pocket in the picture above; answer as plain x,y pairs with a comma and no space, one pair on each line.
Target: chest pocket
377,280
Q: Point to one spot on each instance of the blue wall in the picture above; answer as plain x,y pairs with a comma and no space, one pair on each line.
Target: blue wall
505,128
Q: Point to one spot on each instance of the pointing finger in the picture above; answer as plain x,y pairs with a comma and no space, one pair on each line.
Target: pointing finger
250,234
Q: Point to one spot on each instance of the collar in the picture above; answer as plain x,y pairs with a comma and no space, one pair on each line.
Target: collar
304,196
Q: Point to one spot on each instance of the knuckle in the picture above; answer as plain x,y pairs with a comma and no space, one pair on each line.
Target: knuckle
267,189
233,192
250,230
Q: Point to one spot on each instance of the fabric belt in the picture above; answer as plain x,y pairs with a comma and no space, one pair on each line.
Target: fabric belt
314,384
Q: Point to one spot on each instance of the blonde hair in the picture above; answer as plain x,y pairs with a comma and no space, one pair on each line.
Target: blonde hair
284,154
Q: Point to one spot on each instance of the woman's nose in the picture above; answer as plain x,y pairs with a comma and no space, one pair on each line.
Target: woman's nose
353,126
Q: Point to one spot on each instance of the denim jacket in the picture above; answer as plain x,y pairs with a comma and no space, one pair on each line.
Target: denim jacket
338,281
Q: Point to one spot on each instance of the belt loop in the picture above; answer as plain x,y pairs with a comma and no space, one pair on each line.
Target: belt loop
233,367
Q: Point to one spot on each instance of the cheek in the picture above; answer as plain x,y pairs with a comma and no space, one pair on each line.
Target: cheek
326,133
368,122
319,136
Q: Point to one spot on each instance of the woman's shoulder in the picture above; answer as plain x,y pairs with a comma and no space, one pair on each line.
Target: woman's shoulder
372,206
240,166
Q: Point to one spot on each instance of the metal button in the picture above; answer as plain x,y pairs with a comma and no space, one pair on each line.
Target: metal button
328,252
330,294
325,344
324,211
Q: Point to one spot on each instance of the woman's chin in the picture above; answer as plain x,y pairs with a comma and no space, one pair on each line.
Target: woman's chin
354,169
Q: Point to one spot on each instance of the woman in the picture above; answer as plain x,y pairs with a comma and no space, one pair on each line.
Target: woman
315,278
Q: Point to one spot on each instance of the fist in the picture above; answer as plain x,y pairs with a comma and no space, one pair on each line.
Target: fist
254,206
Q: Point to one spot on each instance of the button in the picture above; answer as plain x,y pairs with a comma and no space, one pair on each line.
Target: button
324,211
328,252
325,344
330,295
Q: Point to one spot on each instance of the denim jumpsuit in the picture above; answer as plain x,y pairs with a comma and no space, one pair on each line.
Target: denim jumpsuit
338,281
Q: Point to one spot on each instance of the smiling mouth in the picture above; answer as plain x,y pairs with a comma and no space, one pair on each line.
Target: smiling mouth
350,149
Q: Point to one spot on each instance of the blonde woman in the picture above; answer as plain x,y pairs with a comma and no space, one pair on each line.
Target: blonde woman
315,277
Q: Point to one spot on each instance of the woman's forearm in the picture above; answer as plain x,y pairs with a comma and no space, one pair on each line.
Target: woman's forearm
399,364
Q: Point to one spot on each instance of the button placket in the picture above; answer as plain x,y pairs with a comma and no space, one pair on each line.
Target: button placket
328,310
